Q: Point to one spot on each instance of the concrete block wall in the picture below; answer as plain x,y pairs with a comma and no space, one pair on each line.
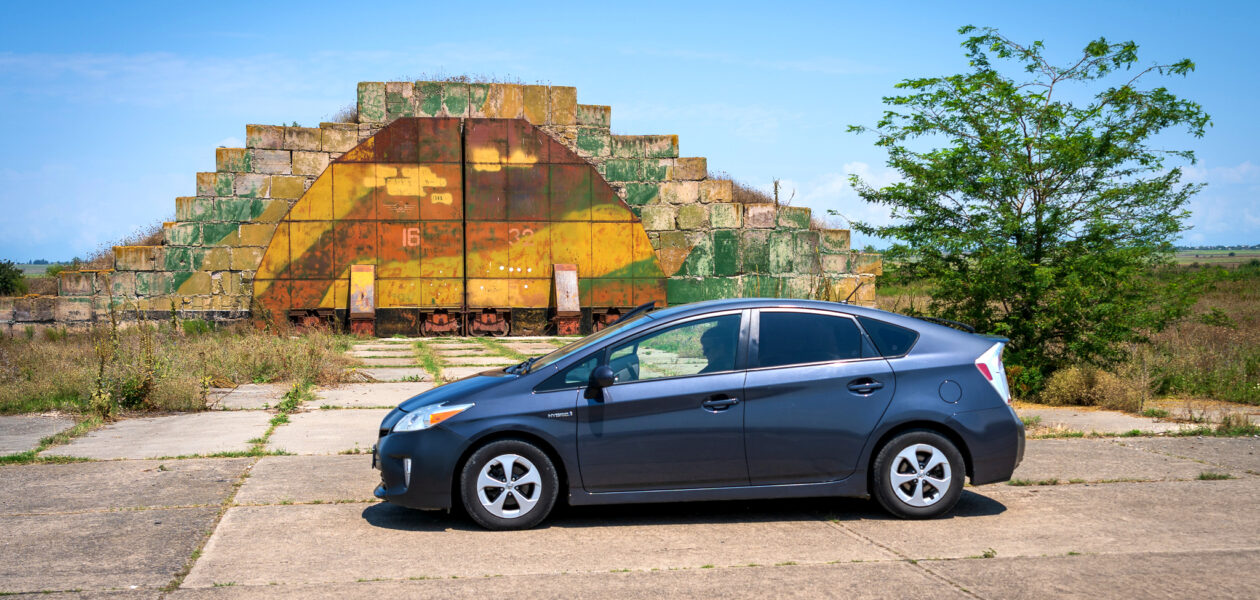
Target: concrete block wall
709,245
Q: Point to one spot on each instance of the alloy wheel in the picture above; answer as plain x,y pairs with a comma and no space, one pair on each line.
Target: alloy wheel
920,475
509,486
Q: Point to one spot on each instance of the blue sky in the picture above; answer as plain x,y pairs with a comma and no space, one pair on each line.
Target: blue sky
109,110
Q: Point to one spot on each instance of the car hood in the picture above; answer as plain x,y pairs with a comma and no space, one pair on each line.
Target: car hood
456,390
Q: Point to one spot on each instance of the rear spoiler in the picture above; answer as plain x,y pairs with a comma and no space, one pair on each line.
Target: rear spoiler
954,324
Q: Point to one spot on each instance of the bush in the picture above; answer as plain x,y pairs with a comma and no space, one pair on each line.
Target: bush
1090,386
12,281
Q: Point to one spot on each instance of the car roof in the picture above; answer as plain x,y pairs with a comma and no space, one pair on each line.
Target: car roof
696,308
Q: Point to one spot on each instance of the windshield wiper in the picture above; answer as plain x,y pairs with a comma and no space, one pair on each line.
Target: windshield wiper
523,366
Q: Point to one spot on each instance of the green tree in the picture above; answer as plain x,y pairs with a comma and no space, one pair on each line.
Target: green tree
1037,208
12,281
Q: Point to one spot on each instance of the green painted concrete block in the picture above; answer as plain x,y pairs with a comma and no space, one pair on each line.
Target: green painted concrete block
699,261
428,98
692,217
177,258
726,215
594,115
658,217
235,209
155,283
639,194
760,286
794,217
627,146
683,290
214,233
183,234
477,95
660,146
455,99
656,169
621,169
726,252
833,241
782,249
594,142
806,259
754,248
371,101
399,100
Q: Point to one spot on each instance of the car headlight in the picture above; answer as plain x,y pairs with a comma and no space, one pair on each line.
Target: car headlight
429,416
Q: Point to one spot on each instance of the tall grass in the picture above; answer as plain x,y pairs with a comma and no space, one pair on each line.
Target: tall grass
156,367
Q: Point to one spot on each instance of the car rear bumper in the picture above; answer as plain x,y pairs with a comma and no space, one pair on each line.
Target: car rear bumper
995,441
417,468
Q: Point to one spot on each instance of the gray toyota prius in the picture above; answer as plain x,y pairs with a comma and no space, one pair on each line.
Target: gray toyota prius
730,399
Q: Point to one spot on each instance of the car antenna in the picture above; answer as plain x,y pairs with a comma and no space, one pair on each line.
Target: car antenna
646,306
846,298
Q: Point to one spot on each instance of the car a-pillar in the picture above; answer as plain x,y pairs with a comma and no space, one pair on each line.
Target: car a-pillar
463,221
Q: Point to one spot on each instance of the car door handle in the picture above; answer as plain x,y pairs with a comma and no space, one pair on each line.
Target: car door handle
719,404
865,385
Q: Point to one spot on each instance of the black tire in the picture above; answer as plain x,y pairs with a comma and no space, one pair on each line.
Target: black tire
902,501
533,501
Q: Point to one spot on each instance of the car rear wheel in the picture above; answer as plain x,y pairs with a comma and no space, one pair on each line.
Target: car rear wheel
508,484
918,475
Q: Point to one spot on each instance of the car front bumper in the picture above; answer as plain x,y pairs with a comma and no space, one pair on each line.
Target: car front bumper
418,467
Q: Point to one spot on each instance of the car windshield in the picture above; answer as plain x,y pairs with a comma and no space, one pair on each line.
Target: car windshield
586,342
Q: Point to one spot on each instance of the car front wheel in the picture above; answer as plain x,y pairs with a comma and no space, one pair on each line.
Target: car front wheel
918,475
508,484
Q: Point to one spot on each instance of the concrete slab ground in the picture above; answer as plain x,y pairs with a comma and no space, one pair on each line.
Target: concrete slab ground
253,396
451,344
479,351
453,373
381,347
1209,574
328,431
389,362
1094,460
22,433
368,395
99,550
176,435
1100,421
277,479
480,361
400,352
73,487
853,580
396,373
1235,454
1173,516
530,348
256,545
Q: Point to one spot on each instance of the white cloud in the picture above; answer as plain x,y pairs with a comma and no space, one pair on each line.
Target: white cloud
1243,172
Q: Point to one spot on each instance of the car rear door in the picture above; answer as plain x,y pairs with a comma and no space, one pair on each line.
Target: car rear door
671,421
812,396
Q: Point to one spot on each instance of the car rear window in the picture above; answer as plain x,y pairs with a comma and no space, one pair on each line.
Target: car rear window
891,340
791,338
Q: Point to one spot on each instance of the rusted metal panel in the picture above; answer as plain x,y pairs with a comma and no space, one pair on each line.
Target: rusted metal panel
362,291
397,202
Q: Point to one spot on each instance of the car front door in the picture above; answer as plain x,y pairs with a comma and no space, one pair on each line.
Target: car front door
675,417
812,398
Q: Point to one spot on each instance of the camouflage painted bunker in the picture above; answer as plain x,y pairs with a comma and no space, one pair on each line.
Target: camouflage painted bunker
463,197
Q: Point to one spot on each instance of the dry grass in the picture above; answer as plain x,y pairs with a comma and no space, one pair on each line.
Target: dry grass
149,367
103,257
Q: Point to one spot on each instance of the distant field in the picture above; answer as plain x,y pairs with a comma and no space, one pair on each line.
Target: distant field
33,270
1218,258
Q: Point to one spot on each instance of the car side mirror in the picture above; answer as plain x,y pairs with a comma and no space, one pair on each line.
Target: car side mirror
603,377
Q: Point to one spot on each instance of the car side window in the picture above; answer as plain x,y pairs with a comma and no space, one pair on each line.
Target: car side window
577,375
891,340
793,338
692,348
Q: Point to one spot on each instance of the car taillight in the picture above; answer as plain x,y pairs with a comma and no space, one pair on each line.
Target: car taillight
990,365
